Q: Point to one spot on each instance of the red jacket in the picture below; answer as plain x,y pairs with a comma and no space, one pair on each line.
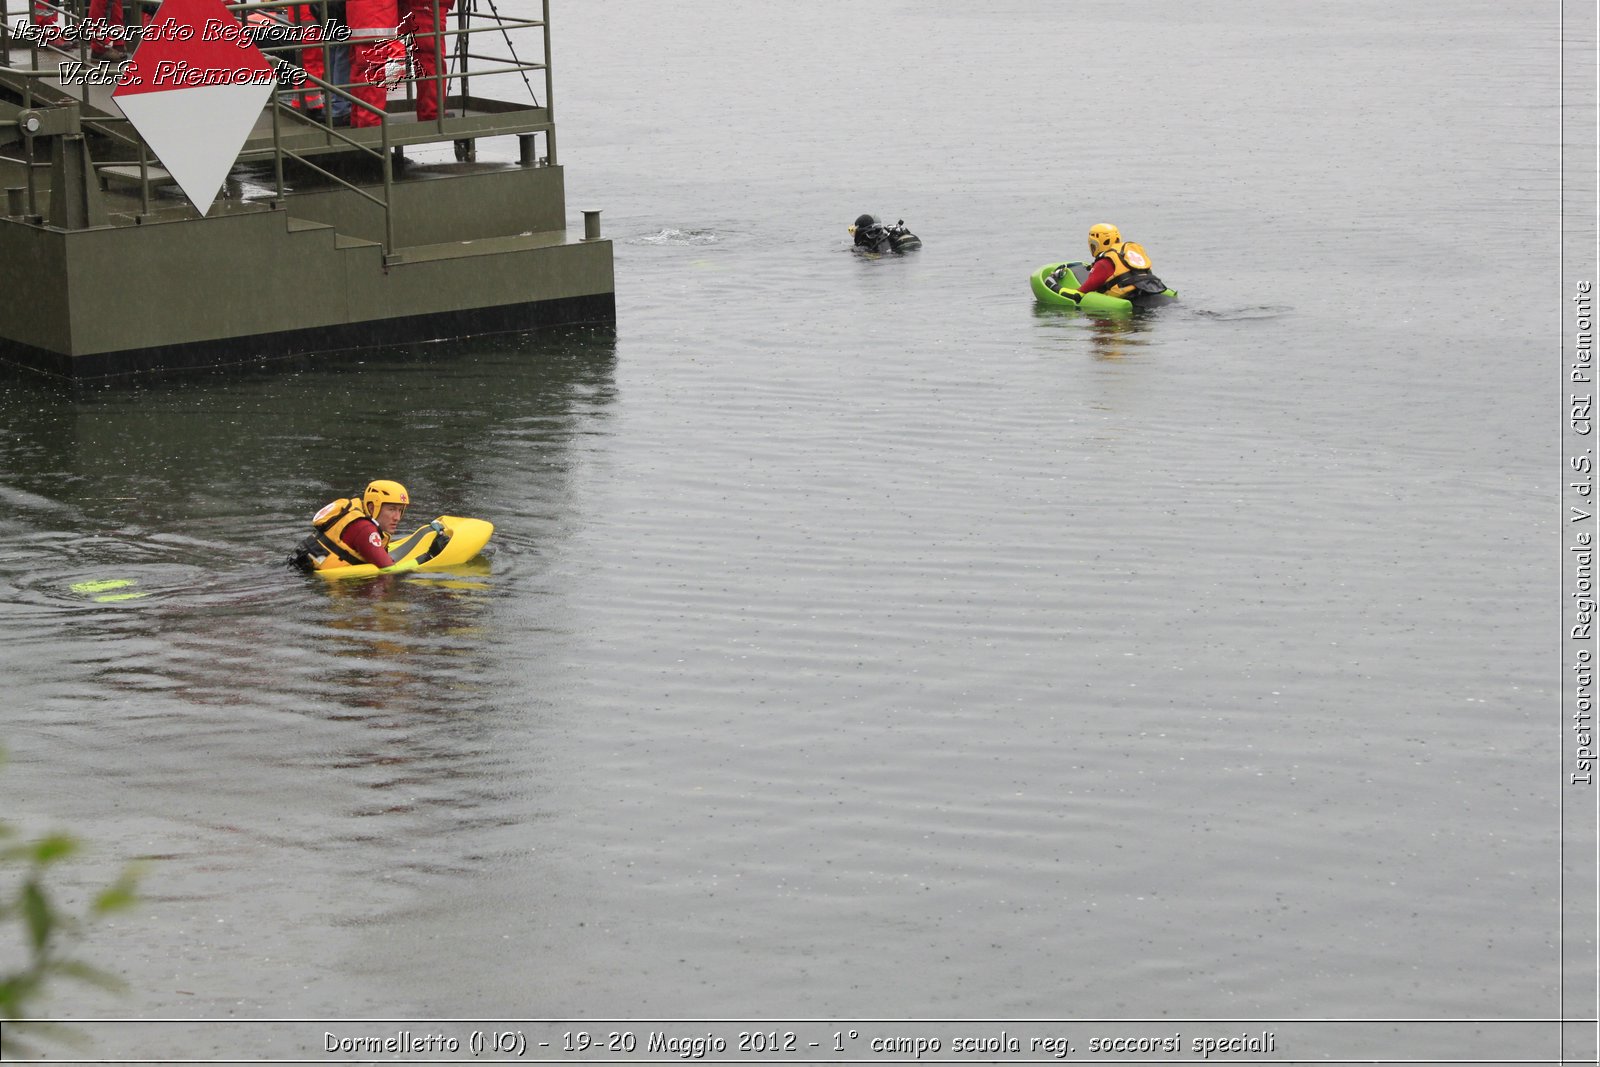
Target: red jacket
1100,272
364,538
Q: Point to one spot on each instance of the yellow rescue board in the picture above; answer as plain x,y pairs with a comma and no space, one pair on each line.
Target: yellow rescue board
462,539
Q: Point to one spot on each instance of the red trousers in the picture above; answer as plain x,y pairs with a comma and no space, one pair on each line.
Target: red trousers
417,20
377,58
311,58
111,12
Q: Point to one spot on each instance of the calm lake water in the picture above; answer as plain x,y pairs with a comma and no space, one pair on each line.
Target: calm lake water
857,640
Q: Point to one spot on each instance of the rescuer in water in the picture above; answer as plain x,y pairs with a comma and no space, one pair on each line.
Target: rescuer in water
357,530
1120,268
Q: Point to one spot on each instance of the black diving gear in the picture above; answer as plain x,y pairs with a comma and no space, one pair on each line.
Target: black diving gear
873,236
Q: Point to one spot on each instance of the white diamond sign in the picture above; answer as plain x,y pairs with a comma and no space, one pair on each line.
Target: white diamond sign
194,90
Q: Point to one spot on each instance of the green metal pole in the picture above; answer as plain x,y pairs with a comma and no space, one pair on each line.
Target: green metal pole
549,91
388,189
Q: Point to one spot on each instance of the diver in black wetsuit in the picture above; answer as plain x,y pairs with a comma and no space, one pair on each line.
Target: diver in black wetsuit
873,236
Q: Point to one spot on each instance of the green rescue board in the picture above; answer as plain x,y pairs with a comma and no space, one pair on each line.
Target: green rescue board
461,540
1097,302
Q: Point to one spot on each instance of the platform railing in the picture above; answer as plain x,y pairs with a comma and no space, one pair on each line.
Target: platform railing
30,164
383,152
453,47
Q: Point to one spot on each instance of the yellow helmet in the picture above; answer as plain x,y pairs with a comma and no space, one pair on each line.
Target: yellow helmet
383,492
1103,235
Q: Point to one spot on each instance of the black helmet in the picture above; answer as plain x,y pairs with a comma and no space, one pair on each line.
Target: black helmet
863,221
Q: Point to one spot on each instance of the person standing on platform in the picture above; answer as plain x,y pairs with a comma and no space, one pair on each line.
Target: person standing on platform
377,57
105,43
338,62
44,16
426,32
275,29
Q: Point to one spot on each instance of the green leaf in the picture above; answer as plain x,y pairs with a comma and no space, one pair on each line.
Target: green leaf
49,931
36,911
119,895
16,990
44,851
48,850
